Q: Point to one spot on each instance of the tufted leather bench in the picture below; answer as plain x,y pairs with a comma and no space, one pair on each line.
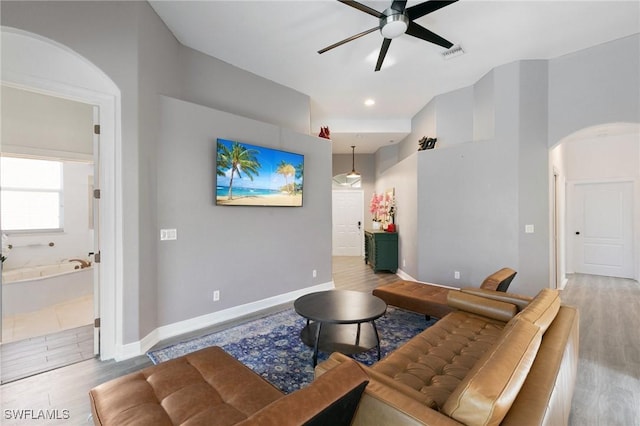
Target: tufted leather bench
426,299
210,387
430,299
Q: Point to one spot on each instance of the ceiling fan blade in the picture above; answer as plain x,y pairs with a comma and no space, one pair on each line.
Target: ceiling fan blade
415,12
424,34
383,52
399,5
347,40
361,7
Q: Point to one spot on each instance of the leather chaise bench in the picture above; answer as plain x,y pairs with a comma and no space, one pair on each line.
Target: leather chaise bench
430,299
210,387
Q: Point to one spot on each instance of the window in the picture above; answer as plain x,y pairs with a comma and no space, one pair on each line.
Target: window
32,194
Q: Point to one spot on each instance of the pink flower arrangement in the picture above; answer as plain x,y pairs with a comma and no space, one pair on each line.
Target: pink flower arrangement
382,207
375,206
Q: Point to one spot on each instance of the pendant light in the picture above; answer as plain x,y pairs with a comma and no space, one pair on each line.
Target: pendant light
353,173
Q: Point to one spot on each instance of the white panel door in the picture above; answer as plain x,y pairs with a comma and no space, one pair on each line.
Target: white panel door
603,242
347,220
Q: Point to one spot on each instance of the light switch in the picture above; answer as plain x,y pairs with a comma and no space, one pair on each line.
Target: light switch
168,234
528,229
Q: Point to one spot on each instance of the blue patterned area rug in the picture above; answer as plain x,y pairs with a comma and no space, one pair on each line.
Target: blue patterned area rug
271,346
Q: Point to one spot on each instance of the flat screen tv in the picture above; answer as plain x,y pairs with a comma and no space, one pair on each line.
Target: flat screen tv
250,175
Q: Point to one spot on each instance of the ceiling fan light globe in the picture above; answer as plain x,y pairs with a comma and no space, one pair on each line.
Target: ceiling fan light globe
394,26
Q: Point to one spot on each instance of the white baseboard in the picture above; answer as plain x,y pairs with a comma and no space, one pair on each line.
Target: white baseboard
140,347
563,283
403,275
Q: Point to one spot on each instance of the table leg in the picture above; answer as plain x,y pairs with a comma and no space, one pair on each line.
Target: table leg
358,335
375,329
315,346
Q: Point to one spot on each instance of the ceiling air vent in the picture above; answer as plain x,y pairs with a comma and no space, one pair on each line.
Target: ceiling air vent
453,52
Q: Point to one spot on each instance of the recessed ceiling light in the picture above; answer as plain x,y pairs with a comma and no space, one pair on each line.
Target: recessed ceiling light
370,102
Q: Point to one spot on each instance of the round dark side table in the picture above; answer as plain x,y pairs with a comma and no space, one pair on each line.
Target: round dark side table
335,321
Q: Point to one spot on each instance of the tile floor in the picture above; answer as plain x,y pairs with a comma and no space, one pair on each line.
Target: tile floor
63,316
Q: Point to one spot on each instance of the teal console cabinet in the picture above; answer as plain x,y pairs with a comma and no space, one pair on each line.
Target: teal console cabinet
381,250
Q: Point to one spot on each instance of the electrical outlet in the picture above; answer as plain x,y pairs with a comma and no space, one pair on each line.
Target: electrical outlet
314,273
216,295
456,275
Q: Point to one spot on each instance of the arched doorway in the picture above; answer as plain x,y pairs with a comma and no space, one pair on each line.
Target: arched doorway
594,190
53,69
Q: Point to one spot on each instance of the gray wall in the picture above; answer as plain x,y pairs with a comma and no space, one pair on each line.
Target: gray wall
454,119
158,73
466,191
228,88
594,86
402,177
130,44
533,178
248,253
489,175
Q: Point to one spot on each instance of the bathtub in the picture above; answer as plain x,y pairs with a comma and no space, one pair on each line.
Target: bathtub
31,289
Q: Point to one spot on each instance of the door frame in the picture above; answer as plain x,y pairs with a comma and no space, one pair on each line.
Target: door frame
95,202
96,89
556,231
570,202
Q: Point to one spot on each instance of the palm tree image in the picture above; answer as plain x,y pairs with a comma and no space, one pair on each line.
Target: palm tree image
299,176
222,161
251,175
285,169
240,158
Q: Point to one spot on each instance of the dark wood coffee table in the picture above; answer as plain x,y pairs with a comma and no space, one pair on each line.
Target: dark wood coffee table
335,318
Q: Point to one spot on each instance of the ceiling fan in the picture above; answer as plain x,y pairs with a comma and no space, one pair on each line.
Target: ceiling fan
398,19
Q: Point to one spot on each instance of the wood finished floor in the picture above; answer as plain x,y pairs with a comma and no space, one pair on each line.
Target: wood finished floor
607,389
31,356
608,383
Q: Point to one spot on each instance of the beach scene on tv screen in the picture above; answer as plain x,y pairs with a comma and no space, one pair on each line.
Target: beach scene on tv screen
250,175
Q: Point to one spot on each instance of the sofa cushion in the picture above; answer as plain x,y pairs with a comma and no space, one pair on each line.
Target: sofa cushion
488,391
542,309
495,309
331,399
516,299
432,364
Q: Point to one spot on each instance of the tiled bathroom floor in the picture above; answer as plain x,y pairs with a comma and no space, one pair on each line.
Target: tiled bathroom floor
63,316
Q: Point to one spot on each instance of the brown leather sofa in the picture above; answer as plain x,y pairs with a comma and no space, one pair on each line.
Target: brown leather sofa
499,358
210,387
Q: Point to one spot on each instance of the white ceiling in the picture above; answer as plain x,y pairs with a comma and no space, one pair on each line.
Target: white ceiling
279,40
